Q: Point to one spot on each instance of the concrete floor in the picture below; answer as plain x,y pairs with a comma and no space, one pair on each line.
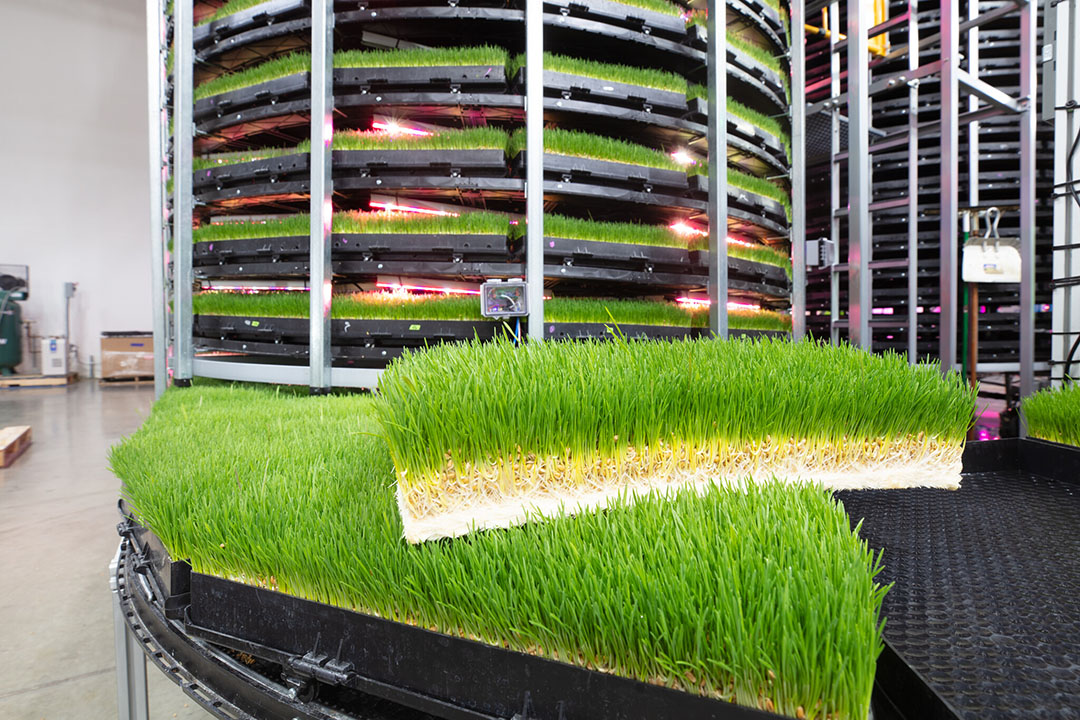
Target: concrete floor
57,535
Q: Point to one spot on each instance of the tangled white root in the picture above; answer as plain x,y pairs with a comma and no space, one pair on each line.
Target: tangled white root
456,501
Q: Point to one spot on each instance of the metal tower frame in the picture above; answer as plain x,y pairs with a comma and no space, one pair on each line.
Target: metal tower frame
1061,103
319,374
853,105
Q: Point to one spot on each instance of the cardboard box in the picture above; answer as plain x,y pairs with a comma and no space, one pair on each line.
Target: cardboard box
127,355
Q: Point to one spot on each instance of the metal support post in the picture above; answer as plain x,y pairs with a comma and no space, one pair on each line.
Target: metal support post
973,191
132,702
860,246
1065,56
534,165
950,159
913,186
322,192
184,131
798,170
155,68
718,196
1027,199
834,174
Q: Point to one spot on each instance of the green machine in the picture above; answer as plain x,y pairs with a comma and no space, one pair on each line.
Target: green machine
14,286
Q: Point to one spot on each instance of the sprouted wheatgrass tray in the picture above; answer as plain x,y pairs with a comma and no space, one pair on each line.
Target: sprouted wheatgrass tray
489,435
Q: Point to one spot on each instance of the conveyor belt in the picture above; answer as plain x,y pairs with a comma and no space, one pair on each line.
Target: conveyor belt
986,601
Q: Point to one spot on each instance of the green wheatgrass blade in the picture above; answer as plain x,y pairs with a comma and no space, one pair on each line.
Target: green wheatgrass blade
427,57
758,186
744,596
473,223
660,6
280,67
644,77
586,145
467,139
214,160
292,226
301,62
292,64
470,223
558,226
756,52
483,434
760,254
385,305
230,8
1054,414
482,138
357,306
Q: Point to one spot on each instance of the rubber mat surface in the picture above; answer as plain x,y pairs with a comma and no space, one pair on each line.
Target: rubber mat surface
986,602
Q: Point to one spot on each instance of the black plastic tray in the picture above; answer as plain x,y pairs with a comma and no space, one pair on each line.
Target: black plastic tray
454,79
268,13
1020,493
986,578
604,172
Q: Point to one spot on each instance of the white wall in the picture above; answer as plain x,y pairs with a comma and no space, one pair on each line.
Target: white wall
73,170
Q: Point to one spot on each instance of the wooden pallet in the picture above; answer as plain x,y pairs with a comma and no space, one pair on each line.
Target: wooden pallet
105,382
13,442
23,381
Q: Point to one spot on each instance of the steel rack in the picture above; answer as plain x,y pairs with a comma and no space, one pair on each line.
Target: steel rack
924,150
295,108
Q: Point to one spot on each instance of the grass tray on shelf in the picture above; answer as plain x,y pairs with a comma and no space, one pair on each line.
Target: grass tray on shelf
406,306
763,596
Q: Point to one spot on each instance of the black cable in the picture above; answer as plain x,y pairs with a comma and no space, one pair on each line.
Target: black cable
1069,170
1065,376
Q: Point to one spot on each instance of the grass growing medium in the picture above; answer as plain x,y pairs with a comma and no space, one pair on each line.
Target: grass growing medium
301,62
480,138
406,306
756,52
291,64
422,57
761,254
559,226
1054,414
760,186
476,223
764,597
230,8
571,426
644,77
586,145
660,6
206,162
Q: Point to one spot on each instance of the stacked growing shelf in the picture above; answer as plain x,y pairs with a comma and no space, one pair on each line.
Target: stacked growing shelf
427,165
988,175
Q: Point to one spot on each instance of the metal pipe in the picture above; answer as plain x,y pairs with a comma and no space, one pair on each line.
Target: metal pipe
834,176
155,68
950,159
183,131
798,172
534,165
1027,201
718,197
859,240
322,193
913,189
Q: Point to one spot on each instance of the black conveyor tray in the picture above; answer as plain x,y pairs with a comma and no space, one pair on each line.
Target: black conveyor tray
982,621
986,601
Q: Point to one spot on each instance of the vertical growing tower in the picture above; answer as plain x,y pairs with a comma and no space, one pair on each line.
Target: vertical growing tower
426,174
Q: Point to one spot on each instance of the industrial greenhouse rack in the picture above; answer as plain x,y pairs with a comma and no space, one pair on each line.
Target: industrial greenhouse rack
314,90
